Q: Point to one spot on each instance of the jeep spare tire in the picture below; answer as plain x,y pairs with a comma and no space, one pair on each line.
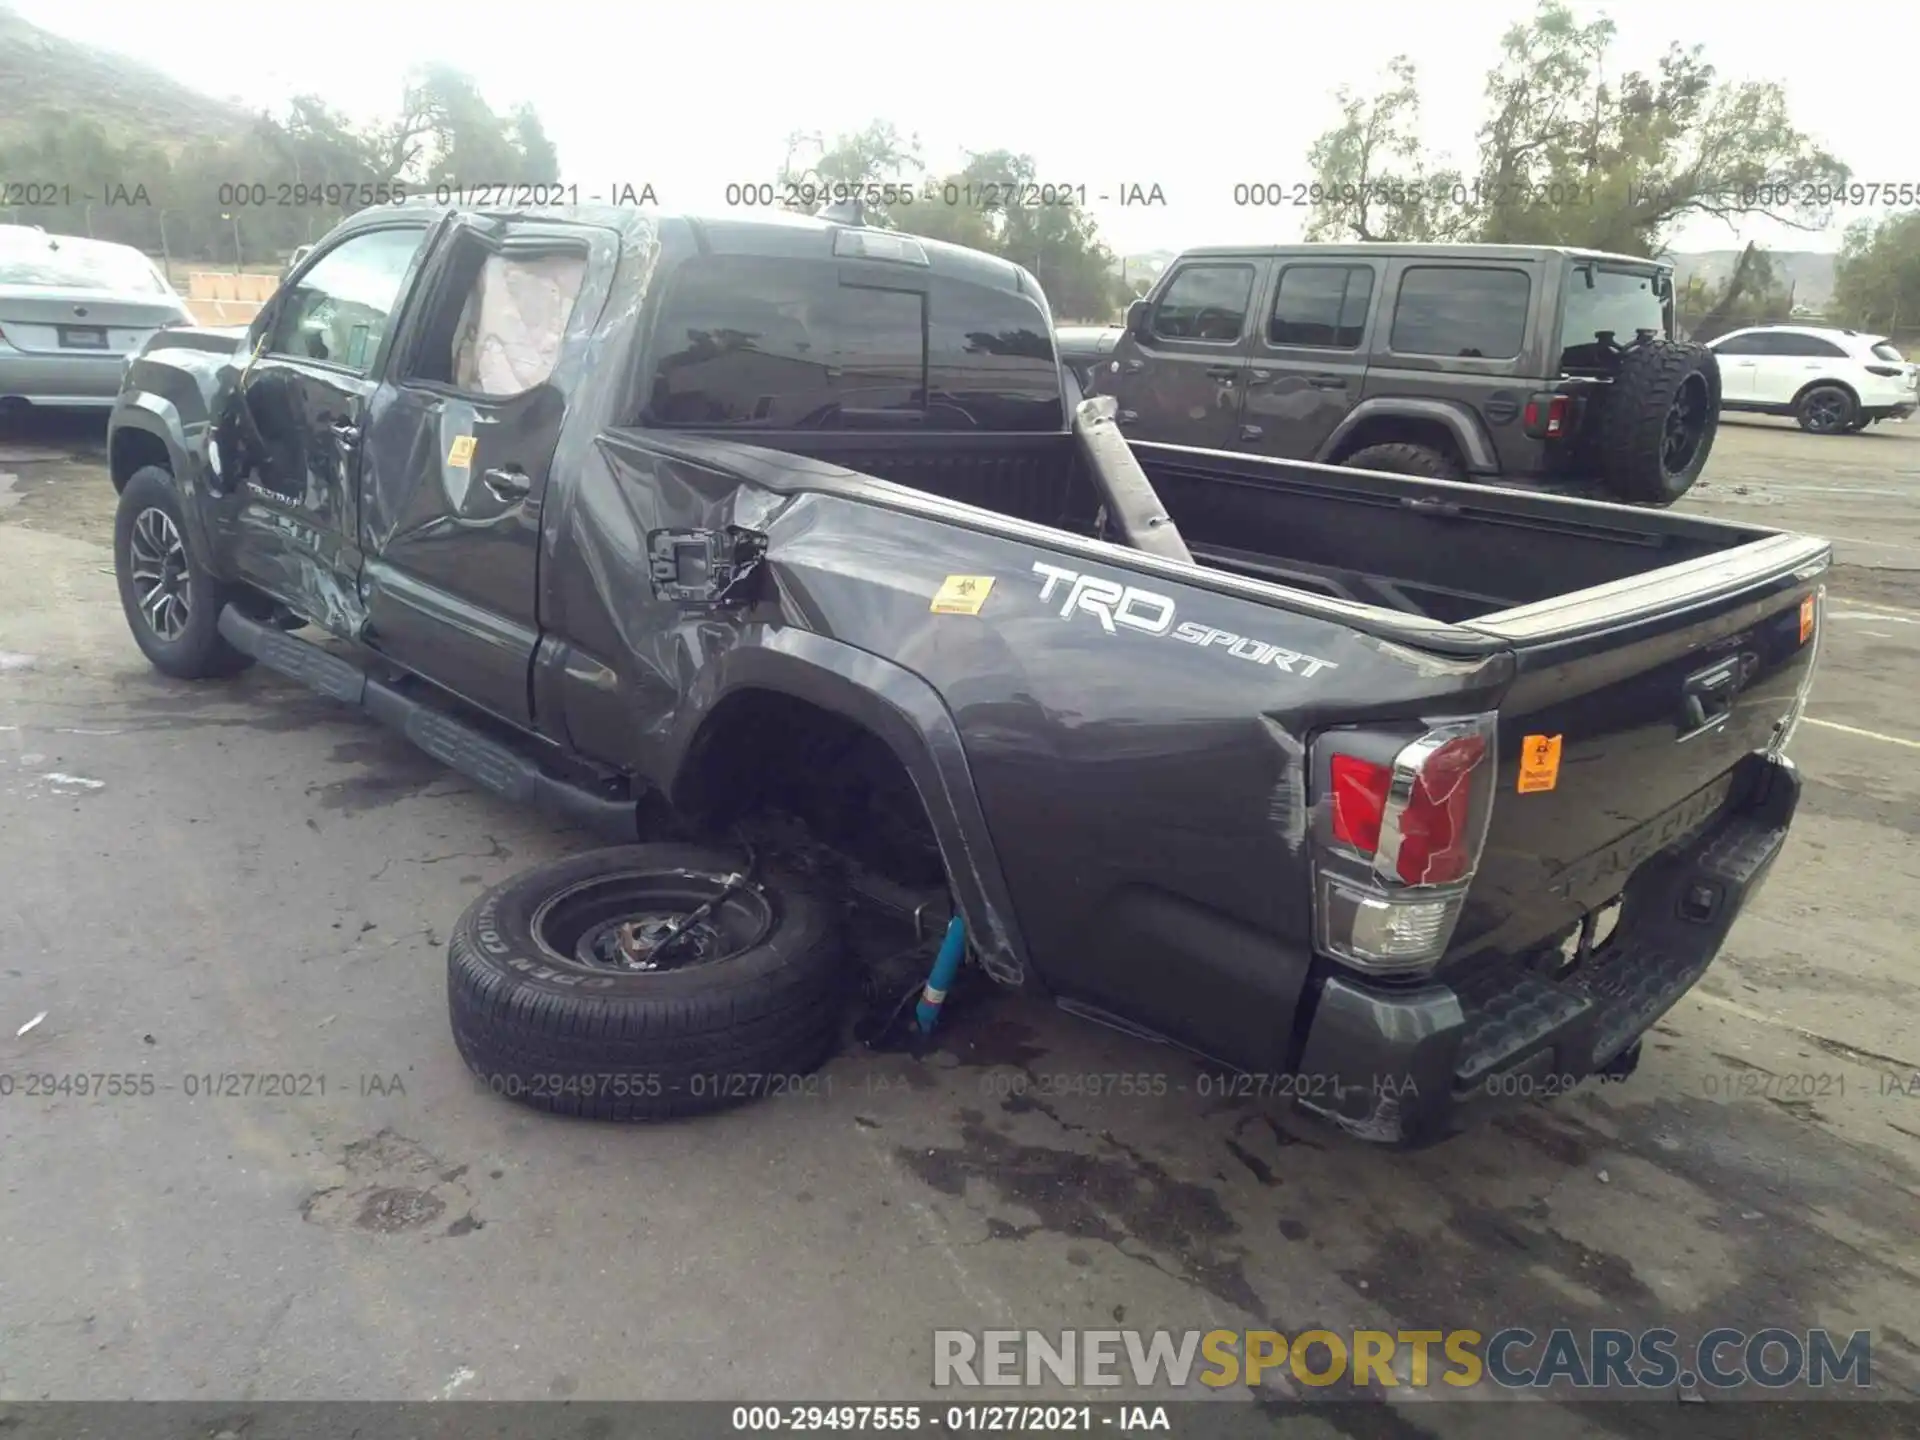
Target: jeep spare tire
1657,421
558,999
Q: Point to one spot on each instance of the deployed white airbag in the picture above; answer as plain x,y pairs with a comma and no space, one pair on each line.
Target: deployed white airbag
514,320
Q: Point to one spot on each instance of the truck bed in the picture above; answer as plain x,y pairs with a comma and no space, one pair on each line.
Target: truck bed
1450,553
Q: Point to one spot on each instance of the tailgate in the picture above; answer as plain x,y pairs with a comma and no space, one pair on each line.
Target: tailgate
1655,689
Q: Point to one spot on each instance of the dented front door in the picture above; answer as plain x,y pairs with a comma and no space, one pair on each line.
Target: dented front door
458,449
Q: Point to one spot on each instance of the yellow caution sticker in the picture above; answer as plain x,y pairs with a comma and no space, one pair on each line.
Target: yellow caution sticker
461,455
1539,763
961,594
1806,619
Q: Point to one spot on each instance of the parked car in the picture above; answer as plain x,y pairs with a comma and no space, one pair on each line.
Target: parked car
1514,364
72,311
1831,381
1412,797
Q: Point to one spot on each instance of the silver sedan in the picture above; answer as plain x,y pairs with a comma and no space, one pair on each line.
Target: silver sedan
72,311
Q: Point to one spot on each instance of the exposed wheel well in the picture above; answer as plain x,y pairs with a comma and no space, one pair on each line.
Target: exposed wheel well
133,450
763,751
1825,384
1399,430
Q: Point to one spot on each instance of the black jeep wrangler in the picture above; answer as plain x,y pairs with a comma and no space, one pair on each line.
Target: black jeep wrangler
1517,364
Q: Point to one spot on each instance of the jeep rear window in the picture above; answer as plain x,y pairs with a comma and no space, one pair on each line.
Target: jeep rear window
766,343
1461,311
1621,303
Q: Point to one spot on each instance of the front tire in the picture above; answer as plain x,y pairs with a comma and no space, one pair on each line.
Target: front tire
1827,410
556,1003
172,604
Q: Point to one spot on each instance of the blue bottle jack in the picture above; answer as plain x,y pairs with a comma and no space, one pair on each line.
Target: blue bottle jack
946,966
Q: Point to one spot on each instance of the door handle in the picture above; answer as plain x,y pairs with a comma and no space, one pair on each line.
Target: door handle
506,483
1222,372
1326,382
1132,367
1126,417
1252,432
346,434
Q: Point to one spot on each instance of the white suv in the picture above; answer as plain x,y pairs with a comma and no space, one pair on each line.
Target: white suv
1831,381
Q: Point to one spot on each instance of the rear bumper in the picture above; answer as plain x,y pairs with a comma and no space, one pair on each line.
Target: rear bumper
1410,1067
61,380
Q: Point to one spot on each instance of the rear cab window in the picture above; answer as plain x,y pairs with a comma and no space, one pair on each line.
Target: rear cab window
1461,311
1607,307
775,343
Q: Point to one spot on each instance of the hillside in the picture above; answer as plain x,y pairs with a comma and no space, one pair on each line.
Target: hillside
1809,272
45,74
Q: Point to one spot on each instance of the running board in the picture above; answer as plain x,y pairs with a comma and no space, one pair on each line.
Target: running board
496,767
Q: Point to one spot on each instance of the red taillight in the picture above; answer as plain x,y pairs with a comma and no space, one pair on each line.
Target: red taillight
1359,801
1545,417
1398,840
1435,846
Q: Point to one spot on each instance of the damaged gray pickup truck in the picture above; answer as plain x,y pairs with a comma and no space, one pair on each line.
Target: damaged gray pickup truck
1412,797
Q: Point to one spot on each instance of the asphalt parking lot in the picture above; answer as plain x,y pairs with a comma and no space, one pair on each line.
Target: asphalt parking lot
245,878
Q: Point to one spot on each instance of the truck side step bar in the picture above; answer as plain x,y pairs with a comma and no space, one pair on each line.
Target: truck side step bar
496,766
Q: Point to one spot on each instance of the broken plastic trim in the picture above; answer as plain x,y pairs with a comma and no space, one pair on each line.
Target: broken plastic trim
704,566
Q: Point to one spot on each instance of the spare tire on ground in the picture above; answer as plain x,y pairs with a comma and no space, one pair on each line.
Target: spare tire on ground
579,987
1656,421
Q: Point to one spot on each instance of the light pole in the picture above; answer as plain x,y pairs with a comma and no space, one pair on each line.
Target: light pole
224,215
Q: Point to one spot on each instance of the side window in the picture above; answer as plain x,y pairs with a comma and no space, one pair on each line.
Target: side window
1814,345
1739,345
340,310
1205,302
1321,305
500,317
1456,310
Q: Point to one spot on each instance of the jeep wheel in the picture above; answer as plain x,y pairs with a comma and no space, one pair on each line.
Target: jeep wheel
563,997
1657,421
171,602
1421,460
1826,410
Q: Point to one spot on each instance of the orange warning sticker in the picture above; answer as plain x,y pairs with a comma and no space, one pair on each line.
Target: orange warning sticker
460,456
1806,619
1539,763
962,595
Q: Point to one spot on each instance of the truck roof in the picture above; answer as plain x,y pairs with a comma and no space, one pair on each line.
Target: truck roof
769,232
1383,248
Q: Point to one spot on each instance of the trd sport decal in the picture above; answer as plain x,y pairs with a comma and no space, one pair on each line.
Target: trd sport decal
1114,605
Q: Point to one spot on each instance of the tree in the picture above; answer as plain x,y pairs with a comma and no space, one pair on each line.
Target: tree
283,181
1876,280
1565,157
984,205
1373,183
1752,293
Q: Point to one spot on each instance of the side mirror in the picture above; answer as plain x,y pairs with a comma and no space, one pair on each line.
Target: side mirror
1137,314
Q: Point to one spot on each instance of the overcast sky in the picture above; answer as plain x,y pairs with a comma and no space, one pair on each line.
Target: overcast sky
1192,98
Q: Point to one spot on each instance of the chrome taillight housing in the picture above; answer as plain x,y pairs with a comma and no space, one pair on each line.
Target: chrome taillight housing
1400,819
